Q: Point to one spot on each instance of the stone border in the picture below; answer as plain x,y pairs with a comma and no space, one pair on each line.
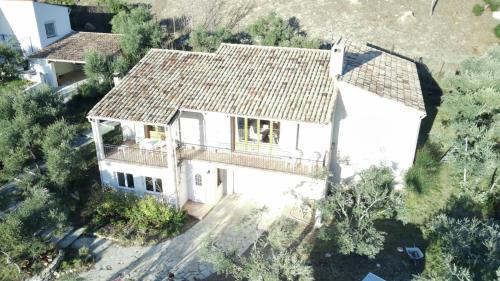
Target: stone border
48,272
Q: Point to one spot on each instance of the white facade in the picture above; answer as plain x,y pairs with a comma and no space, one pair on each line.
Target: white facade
371,130
28,22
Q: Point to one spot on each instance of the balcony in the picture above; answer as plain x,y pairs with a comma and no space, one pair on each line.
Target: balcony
134,154
306,167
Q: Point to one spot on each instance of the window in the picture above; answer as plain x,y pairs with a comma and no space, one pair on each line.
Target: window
50,29
154,185
158,185
154,132
258,131
197,180
125,180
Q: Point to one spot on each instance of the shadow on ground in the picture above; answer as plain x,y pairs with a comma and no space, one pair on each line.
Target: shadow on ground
392,264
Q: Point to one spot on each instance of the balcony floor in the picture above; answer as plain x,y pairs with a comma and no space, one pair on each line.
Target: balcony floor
138,156
252,161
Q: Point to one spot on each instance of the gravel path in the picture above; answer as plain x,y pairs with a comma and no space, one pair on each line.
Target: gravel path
232,222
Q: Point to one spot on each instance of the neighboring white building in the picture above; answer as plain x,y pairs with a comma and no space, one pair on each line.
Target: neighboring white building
256,120
34,25
55,51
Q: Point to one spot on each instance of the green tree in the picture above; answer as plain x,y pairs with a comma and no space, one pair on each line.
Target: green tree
273,30
467,247
349,212
269,258
64,163
11,61
202,40
23,117
17,239
139,34
98,68
469,118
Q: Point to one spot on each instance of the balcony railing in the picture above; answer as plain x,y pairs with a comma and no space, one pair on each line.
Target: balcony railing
300,166
135,155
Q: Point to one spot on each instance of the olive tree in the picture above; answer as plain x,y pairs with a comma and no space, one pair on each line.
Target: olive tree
139,34
11,61
469,249
271,257
63,161
349,212
273,30
469,116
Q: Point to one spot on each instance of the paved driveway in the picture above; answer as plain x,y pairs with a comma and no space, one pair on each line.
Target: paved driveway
232,222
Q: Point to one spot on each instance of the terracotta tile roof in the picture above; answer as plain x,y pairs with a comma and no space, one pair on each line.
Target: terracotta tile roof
256,81
73,47
381,73
266,82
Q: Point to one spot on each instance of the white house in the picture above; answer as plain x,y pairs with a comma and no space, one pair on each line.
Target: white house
34,25
267,122
55,51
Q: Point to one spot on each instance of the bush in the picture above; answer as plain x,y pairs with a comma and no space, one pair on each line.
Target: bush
18,239
148,214
125,216
493,4
110,206
202,40
478,9
273,30
422,175
496,30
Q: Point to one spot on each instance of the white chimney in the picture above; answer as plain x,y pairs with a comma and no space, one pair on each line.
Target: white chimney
337,59
116,78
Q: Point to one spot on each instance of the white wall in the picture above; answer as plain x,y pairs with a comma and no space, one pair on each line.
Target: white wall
52,13
370,130
46,71
269,187
214,129
108,171
26,20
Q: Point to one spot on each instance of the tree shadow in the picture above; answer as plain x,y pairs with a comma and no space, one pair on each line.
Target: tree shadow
389,264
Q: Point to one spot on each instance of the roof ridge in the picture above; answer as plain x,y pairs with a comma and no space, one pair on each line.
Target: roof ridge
182,51
271,47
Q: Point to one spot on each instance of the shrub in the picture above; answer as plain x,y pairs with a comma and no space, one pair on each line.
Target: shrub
273,30
496,30
110,206
17,229
478,9
125,216
148,214
422,175
493,4
202,40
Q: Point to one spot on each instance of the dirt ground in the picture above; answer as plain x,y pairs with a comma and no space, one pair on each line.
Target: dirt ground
450,35
443,40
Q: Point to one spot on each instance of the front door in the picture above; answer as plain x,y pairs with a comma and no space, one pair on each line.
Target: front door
199,191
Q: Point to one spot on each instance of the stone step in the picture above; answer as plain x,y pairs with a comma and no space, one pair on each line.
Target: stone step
71,237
